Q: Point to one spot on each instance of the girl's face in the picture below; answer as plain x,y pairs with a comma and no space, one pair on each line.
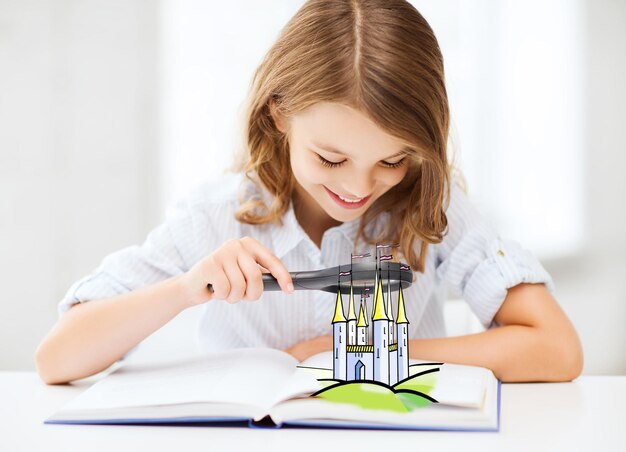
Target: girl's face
341,160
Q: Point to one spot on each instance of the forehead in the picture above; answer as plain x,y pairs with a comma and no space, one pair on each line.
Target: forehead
333,126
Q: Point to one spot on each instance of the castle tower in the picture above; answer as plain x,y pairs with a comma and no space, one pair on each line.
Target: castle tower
361,327
367,323
351,320
392,337
339,340
403,339
381,336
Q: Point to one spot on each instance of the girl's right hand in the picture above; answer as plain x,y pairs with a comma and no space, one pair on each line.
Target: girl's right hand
235,272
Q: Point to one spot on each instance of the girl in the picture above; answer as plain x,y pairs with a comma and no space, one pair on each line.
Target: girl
347,128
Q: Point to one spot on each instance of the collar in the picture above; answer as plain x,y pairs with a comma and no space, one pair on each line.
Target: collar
289,234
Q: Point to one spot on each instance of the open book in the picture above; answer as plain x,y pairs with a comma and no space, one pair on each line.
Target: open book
269,388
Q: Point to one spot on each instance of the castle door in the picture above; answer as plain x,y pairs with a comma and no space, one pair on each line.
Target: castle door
359,371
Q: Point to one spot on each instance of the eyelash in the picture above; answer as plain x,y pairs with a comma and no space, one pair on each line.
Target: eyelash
329,164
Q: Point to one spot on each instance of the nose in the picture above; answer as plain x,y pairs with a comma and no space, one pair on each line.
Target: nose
361,185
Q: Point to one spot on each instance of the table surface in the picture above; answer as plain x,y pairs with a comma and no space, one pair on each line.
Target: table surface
586,414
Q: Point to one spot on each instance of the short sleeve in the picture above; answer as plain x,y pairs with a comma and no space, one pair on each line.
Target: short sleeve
194,226
476,263
163,254
133,267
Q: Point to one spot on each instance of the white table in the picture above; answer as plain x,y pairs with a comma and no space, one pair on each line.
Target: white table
587,414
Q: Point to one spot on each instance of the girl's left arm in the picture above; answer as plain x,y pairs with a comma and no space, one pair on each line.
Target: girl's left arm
534,341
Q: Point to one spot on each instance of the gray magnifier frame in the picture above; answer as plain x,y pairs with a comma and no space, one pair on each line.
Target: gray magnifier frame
363,277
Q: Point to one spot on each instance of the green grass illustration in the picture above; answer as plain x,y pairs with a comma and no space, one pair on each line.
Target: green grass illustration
403,397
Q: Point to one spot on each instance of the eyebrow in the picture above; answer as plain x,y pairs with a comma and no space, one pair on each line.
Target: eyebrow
336,151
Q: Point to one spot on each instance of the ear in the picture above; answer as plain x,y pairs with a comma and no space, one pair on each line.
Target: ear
279,119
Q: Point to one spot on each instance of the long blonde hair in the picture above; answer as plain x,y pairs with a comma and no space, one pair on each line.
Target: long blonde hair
382,58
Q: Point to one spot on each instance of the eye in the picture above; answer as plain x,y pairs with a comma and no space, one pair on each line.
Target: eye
397,164
328,163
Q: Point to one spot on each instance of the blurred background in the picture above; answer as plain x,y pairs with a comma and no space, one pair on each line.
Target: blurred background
111,110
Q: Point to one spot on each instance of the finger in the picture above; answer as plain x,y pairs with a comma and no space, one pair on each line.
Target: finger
219,283
236,280
254,278
267,259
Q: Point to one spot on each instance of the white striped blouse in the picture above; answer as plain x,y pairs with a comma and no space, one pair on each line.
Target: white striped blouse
472,261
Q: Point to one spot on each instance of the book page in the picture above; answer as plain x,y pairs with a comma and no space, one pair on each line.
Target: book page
253,377
460,395
475,409
463,386
457,384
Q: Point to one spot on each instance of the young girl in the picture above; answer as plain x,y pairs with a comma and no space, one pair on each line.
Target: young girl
347,128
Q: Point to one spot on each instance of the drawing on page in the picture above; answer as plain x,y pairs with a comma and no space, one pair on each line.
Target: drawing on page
371,363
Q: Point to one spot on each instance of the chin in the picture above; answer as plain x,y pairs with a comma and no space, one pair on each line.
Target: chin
343,215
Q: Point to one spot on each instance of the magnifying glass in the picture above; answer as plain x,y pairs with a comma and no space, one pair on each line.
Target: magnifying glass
361,275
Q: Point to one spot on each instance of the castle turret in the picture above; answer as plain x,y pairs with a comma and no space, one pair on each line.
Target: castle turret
361,327
381,336
339,340
402,334
392,336
367,323
352,324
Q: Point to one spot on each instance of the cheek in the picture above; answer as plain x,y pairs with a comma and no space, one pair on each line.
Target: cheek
307,172
392,178
320,176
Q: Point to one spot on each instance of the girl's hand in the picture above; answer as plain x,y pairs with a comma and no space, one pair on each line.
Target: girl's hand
234,272
306,349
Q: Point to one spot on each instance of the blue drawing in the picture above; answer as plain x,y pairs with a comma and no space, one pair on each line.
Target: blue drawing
386,358
371,364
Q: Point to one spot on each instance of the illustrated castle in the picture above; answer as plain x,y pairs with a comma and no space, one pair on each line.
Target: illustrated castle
386,358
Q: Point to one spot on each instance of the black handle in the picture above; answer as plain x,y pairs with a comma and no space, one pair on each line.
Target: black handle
361,275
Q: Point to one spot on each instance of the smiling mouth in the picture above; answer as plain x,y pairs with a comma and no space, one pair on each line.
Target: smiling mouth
348,202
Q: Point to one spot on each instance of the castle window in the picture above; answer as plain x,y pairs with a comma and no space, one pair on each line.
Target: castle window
377,353
336,353
384,343
340,339
405,341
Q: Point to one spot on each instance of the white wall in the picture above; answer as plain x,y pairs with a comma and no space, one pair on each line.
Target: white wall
78,154
88,111
592,285
207,58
